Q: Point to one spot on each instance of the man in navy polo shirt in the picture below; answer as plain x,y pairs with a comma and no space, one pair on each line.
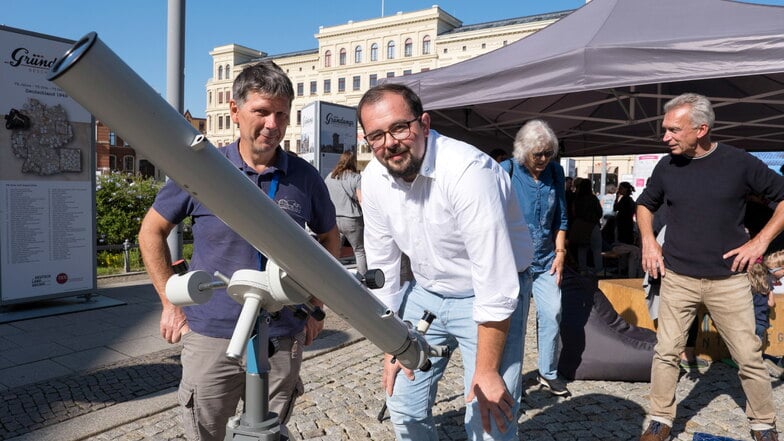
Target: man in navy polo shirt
212,383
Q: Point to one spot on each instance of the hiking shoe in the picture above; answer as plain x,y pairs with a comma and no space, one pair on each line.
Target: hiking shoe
555,386
765,435
656,431
698,364
774,370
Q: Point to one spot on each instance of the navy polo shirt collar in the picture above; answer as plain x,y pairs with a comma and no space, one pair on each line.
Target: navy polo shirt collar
281,160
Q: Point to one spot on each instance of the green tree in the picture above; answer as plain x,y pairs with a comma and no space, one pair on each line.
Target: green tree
121,200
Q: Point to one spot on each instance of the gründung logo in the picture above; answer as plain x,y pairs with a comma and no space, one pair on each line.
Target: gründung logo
21,56
338,120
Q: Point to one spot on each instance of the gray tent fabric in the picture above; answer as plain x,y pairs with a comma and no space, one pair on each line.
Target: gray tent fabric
600,75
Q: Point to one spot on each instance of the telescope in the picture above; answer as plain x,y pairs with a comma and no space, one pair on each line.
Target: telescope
94,76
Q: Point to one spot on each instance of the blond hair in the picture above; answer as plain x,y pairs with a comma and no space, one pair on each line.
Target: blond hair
759,274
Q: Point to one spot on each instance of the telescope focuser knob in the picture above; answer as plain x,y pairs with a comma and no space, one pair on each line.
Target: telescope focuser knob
374,279
425,321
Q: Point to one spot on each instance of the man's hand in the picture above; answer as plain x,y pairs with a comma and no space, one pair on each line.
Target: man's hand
746,254
312,329
173,323
494,400
652,260
389,373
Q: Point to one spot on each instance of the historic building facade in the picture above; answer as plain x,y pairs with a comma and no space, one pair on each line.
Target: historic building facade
352,57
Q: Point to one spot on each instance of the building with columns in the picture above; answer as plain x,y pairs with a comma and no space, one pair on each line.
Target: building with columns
352,57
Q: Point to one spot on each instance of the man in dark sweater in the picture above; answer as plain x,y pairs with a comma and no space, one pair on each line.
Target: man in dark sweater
705,256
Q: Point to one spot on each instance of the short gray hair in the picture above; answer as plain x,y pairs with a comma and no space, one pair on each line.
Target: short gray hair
265,78
535,135
701,109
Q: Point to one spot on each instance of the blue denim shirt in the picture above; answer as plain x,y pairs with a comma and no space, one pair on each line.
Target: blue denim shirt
544,206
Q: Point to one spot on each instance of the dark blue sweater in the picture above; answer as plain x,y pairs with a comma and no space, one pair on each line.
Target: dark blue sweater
706,202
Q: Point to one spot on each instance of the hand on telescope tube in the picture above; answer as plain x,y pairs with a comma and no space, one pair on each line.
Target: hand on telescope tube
389,373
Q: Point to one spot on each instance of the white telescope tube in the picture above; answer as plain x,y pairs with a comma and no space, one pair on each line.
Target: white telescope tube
99,80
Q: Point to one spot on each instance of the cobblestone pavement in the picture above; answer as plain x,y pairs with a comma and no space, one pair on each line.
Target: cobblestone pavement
343,398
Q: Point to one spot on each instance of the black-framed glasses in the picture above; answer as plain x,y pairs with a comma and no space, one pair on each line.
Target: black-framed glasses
399,131
547,154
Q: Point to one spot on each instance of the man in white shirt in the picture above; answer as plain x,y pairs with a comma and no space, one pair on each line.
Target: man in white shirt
451,210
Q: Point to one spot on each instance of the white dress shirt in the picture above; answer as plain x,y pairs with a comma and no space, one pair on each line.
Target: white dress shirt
459,223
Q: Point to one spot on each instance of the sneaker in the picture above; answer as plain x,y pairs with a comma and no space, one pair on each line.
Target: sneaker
555,386
765,435
656,431
698,364
774,370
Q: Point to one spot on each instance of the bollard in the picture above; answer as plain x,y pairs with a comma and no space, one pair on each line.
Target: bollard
127,255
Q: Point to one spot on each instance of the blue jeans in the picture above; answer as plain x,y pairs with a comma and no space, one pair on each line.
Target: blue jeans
410,406
547,295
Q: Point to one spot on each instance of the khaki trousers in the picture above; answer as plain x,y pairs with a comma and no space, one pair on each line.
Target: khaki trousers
729,303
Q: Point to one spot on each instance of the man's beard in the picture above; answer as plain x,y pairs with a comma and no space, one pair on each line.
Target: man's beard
409,172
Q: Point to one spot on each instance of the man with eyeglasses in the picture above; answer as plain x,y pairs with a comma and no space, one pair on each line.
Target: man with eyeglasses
704,185
451,209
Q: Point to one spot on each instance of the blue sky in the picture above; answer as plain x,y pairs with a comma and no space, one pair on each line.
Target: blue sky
136,29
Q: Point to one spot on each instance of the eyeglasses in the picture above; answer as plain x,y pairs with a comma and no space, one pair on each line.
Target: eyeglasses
773,270
399,131
545,154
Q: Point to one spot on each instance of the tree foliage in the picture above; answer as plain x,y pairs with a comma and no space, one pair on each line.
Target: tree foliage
121,201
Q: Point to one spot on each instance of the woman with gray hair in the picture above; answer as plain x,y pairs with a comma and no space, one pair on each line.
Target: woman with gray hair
539,185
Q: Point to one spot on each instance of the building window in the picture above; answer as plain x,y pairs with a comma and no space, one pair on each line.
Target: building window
373,80
300,89
464,48
220,97
299,117
408,48
112,162
357,82
358,54
128,163
209,98
112,139
446,50
299,145
426,45
390,75
313,87
220,72
390,50
374,52
328,59
342,56
228,72
327,86
484,45
407,72
287,145
425,69
341,84
220,123
504,42
228,122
